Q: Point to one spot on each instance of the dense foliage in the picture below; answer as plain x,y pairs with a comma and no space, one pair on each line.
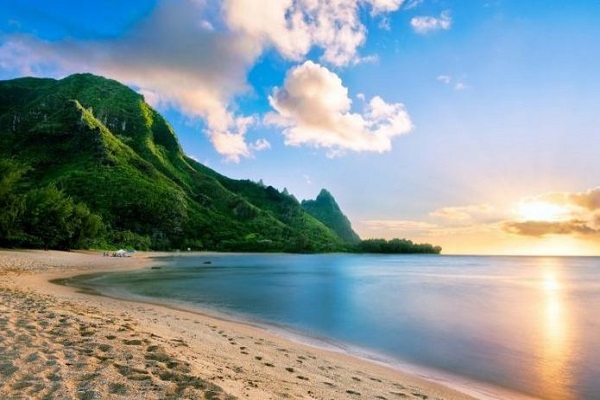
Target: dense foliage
395,246
43,217
85,162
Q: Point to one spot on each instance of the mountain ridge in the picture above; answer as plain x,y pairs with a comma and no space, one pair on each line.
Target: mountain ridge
101,145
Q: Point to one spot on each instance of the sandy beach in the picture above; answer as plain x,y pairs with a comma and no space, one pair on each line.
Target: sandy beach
59,343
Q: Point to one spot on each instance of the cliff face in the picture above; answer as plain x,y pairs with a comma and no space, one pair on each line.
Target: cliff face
102,145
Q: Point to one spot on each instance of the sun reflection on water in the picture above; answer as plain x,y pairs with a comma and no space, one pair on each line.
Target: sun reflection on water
555,351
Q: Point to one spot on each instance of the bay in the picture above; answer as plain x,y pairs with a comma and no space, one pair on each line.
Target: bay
528,324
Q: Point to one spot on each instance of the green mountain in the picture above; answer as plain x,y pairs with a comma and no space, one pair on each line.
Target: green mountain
84,159
326,210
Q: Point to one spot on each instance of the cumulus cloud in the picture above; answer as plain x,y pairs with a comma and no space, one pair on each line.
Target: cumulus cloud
293,27
384,6
195,55
559,213
426,24
314,109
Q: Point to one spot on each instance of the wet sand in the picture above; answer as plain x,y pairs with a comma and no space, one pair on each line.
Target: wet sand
57,342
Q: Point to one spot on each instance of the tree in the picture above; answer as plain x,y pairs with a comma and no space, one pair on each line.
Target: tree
11,202
53,220
46,215
83,227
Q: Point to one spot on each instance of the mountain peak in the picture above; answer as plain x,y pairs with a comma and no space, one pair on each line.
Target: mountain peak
324,194
325,209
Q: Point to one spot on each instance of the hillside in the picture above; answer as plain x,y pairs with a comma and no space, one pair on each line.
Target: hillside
326,210
95,146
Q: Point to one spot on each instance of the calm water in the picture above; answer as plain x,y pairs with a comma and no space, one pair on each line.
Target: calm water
531,324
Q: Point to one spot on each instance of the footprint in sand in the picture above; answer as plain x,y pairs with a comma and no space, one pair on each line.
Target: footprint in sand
132,342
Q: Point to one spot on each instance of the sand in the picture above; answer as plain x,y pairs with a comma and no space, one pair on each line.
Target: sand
57,343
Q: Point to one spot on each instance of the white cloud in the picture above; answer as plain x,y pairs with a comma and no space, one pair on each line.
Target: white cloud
450,81
293,27
261,144
427,24
410,4
444,79
313,108
232,145
384,6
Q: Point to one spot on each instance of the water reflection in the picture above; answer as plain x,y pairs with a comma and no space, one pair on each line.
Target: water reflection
555,351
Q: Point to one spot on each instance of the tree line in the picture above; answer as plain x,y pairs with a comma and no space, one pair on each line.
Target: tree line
395,246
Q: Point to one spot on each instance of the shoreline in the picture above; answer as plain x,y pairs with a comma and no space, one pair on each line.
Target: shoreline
237,357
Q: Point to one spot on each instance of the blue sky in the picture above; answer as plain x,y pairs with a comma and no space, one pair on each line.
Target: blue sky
469,124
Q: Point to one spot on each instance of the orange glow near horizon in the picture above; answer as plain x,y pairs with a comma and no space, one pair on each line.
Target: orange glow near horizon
500,243
488,229
541,211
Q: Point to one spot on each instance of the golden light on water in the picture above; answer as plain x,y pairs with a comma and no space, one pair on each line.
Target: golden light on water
554,318
550,282
555,352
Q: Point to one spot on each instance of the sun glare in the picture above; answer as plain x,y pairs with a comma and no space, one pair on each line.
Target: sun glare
541,211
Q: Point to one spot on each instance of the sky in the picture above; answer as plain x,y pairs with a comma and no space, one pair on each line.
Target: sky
469,124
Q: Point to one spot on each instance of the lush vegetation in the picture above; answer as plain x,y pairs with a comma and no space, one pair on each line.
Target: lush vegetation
85,162
43,217
395,246
325,209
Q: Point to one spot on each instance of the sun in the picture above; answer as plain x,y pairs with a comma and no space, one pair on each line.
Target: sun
535,210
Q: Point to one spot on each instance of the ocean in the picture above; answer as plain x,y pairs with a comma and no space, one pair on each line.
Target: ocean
527,324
